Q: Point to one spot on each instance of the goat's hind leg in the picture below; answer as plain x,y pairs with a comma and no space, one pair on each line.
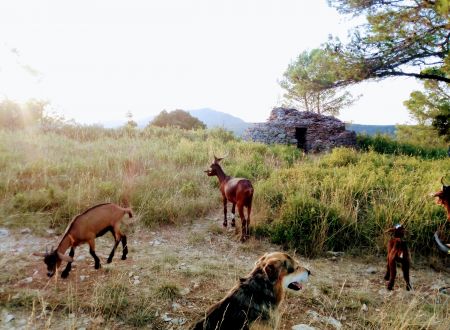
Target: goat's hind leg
233,211
66,271
116,236
393,274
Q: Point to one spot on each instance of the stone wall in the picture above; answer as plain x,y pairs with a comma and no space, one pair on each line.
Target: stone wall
316,132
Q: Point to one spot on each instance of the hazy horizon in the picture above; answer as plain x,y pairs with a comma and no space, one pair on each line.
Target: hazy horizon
96,61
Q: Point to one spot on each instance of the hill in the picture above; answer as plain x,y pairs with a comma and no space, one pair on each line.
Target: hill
371,129
213,118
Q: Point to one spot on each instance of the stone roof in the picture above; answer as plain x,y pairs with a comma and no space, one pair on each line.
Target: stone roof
310,131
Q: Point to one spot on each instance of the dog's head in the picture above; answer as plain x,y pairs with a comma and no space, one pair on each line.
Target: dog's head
282,269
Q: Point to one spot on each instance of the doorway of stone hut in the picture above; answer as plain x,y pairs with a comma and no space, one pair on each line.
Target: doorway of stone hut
300,135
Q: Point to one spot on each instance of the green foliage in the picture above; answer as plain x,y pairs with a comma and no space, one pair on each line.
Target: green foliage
306,79
419,135
328,204
386,145
432,107
398,36
177,118
311,227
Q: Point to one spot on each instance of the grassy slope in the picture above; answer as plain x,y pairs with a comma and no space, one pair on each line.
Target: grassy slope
343,200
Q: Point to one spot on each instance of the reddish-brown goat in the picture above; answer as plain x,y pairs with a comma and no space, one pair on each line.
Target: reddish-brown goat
443,198
84,228
237,191
397,252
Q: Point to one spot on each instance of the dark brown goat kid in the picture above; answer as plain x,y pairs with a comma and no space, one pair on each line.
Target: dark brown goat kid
397,253
84,228
237,191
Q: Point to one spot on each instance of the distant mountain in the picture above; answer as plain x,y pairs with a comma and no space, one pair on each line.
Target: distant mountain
213,118
371,129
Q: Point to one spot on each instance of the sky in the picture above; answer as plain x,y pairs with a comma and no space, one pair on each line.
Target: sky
94,61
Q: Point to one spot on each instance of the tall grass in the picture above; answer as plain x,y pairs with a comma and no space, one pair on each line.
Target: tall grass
342,200
387,145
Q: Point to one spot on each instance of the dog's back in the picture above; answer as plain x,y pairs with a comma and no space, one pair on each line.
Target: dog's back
252,299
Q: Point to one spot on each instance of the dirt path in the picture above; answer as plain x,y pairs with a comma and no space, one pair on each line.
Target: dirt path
174,273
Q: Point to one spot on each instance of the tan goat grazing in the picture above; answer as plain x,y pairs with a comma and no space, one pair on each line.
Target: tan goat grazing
84,228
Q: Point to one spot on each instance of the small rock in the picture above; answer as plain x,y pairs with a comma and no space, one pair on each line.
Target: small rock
166,318
4,232
178,321
185,291
371,270
325,319
26,280
136,282
50,231
335,253
136,277
302,327
81,257
364,308
130,274
9,318
25,231
176,306
82,277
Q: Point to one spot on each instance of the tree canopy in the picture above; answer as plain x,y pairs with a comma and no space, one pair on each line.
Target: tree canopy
399,38
305,82
177,118
14,115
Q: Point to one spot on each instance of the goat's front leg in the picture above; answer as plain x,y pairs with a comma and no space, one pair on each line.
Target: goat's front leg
66,271
92,252
225,222
405,269
387,275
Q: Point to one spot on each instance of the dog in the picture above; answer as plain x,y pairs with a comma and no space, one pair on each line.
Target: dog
397,252
257,296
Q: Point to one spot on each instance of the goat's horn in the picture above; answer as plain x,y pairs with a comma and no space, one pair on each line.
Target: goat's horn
441,246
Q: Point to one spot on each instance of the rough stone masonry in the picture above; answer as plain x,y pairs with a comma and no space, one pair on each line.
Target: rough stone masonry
310,131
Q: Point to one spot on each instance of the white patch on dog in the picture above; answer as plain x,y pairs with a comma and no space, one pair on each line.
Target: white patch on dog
293,282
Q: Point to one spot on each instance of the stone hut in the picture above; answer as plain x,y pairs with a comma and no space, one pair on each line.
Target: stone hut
308,130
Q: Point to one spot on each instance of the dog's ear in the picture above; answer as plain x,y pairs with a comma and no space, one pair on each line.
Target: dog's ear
260,260
272,271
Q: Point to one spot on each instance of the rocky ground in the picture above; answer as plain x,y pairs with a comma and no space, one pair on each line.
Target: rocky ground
174,273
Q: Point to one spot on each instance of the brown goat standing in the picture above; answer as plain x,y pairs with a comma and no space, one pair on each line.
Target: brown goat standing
237,191
397,252
84,228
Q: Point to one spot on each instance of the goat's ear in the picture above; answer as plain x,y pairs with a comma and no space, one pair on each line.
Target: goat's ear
39,254
63,257
217,160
